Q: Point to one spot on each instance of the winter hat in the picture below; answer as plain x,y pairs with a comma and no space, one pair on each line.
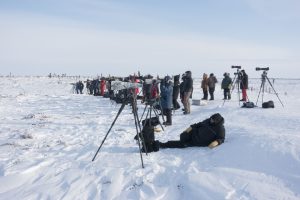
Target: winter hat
216,118
167,79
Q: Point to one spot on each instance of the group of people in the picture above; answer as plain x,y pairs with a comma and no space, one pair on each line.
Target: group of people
242,80
208,84
167,91
209,132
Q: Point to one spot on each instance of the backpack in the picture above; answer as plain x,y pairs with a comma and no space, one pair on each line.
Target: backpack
268,104
248,104
147,133
153,121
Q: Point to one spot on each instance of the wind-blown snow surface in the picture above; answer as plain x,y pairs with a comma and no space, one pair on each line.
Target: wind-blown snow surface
48,137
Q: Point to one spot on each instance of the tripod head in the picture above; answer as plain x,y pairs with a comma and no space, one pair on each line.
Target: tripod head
264,74
238,72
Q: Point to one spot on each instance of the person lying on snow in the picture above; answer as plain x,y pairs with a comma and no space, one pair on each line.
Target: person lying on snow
210,132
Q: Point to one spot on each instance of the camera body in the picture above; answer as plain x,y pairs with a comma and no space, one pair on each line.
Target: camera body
236,67
262,68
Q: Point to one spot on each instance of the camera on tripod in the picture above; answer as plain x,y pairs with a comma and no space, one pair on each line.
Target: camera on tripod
236,67
262,68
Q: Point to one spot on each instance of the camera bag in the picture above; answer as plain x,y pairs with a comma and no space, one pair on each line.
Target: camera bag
268,104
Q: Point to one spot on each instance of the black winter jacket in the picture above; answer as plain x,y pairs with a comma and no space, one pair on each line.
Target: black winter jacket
203,133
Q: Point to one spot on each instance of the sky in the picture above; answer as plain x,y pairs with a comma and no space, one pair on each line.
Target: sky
122,37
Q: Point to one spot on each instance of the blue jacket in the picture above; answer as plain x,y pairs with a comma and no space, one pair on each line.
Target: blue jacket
166,94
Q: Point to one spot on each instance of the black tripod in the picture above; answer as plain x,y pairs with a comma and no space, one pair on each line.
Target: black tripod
129,99
264,77
150,104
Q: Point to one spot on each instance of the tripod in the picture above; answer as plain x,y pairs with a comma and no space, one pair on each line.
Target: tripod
264,77
133,102
151,109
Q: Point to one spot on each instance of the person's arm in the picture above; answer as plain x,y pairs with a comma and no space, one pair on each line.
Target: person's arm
219,140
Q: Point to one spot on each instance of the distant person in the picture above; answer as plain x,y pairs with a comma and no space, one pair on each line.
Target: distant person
244,85
204,86
210,132
176,90
212,80
188,89
181,88
226,85
79,87
102,86
166,97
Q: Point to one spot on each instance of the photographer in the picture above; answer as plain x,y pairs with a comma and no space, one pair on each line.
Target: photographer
212,80
204,86
210,132
176,89
226,84
244,84
166,89
187,89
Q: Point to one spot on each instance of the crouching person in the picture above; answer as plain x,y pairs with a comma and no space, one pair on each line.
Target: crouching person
210,132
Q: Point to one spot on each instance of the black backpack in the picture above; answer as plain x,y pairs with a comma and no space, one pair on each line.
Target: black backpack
248,104
149,144
268,104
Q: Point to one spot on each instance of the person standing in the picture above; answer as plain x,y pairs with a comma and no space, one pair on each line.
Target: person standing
176,92
102,86
226,84
188,89
204,86
244,85
181,89
212,80
166,96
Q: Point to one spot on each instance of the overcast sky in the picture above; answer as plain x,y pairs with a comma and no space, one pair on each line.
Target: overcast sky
121,37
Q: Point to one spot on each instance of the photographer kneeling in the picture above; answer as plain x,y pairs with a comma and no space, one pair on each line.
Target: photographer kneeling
210,132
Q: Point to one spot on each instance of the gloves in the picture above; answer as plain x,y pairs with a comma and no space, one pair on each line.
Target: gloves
188,129
213,144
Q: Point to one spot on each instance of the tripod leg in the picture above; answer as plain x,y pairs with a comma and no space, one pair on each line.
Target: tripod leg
263,92
274,91
162,114
119,112
138,130
261,85
156,114
143,112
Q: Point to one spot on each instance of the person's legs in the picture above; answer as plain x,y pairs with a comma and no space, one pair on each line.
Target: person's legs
187,102
169,116
172,144
244,95
225,94
186,137
211,93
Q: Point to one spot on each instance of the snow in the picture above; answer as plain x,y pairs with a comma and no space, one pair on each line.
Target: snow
49,135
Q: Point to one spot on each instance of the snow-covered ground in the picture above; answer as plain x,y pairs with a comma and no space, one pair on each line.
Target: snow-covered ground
48,137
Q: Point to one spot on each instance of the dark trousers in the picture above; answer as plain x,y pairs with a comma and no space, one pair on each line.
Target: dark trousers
227,93
176,105
211,93
168,113
185,141
205,94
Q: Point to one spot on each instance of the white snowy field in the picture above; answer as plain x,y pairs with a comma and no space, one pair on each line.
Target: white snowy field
48,137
